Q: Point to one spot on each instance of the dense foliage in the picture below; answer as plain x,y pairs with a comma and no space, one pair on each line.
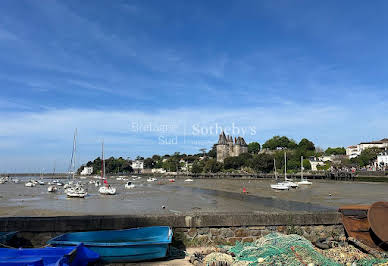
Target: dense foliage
112,165
256,160
278,142
335,151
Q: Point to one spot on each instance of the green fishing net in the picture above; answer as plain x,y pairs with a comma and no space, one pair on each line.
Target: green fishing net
279,249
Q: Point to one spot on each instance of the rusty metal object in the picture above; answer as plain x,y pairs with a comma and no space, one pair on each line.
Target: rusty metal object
355,221
378,219
358,220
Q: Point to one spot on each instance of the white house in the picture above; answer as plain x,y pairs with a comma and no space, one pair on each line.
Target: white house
87,170
158,171
137,165
355,150
352,151
314,162
382,160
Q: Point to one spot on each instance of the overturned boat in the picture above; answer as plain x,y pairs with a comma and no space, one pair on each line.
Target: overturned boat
128,245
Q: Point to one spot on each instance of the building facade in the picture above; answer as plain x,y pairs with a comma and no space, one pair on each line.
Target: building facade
227,147
382,160
137,166
355,150
87,170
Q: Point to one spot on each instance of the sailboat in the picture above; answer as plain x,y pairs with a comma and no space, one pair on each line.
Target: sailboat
303,181
74,190
278,186
107,189
287,181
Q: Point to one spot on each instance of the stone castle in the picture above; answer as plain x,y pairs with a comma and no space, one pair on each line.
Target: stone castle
226,147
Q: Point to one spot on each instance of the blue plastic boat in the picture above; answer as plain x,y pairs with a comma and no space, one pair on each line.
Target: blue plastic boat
48,256
138,244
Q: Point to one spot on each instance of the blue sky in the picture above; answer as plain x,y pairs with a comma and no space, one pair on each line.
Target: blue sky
115,69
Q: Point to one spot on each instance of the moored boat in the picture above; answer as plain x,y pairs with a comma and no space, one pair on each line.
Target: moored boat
128,245
129,185
29,184
52,188
107,190
77,256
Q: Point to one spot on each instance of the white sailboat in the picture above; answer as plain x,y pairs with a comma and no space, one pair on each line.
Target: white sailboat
107,189
74,190
278,186
287,181
303,181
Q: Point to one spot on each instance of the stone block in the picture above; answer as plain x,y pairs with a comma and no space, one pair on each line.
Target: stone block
203,230
192,232
255,232
247,239
256,227
233,240
214,231
242,232
226,232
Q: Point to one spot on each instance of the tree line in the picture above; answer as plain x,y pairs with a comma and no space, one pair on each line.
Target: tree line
259,159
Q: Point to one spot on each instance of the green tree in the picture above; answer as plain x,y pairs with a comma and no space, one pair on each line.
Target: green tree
367,156
149,163
212,166
253,147
262,163
213,152
306,145
335,151
233,163
279,142
197,167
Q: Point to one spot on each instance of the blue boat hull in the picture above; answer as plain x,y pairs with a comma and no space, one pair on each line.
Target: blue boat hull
49,256
139,244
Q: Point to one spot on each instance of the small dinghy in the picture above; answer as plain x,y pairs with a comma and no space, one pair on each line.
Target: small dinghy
189,180
152,179
280,186
128,245
76,192
107,190
29,184
52,189
171,180
77,256
41,182
129,185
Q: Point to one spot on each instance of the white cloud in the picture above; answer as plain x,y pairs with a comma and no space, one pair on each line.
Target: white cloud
50,132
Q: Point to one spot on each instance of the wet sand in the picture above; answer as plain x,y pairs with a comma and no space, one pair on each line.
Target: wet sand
205,195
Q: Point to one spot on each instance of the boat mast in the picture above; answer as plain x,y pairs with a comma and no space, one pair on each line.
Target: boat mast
285,166
75,151
274,166
301,166
102,161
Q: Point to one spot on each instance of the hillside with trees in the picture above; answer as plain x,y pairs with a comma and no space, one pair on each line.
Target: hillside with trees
259,159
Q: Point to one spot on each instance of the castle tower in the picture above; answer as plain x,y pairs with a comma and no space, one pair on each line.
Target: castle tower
226,147
222,147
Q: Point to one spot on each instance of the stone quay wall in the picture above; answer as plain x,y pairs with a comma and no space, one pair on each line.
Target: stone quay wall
192,229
